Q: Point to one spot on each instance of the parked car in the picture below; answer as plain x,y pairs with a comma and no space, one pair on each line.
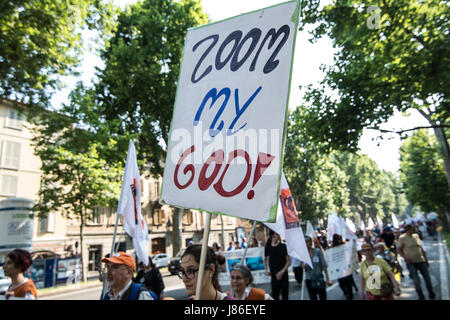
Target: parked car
161,260
5,282
175,262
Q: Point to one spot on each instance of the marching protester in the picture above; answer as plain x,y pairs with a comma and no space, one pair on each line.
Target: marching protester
314,277
17,263
297,267
346,283
254,243
376,277
189,268
241,280
276,264
410,248
119,273
150,277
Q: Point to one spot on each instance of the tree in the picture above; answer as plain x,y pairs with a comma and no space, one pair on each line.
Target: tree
396,57
422,174
40,41
135,92
74,178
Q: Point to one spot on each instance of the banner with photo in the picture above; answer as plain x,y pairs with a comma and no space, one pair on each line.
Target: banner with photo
254,260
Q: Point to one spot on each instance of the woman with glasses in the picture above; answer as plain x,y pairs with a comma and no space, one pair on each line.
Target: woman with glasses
377,279
189,268
241,279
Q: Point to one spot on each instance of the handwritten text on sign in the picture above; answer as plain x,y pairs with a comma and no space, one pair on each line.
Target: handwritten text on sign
228,124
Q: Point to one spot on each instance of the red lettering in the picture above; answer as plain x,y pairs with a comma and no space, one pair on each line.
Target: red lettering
217,157
189,167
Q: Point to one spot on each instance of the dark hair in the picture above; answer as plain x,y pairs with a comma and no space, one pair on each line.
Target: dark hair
245,272
195,250
337,239
21,258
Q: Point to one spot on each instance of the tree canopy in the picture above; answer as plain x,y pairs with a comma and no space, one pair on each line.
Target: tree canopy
392,55
40,41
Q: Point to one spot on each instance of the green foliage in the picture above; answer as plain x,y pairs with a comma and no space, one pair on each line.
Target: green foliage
349,184
40,41
422,173
136,91
402,63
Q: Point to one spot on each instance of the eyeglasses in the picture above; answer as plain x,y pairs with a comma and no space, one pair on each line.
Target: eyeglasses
189,274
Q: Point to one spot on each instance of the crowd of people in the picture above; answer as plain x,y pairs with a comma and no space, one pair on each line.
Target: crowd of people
378,257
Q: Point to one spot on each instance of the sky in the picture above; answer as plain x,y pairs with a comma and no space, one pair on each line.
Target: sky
307,60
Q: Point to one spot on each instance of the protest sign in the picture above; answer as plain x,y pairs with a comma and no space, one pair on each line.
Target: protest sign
228,127
341,260
254,259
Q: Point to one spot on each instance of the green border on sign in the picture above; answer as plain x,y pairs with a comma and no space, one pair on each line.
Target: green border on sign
273,209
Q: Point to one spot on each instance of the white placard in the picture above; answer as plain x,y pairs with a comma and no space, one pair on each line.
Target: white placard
341,260
254,259
227,132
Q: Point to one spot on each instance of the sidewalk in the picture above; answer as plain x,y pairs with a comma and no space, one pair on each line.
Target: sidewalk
47,292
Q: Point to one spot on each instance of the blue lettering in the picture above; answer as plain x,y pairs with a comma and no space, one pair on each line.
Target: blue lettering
239,112
212,94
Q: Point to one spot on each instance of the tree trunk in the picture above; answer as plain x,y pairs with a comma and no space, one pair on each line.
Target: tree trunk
83,271
176,230
443,143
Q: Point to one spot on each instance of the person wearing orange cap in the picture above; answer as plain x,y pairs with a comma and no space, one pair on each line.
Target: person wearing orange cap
119,273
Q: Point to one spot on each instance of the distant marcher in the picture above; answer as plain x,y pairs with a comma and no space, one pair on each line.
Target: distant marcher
410,248
237,245
216,247
254,243
323,240
314,279
231,247
119,273
151,278
244,243
241,279
297,267
17,263
376,277
345,283
276,264
189,271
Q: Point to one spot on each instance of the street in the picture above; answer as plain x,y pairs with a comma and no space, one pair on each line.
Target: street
439,271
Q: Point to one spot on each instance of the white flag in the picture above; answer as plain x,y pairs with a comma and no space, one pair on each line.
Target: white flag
130,206
371,224
334,225
288,225
394,221
350,224
380,222
346,232
310,230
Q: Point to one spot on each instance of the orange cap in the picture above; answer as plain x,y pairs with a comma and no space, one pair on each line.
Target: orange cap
122,258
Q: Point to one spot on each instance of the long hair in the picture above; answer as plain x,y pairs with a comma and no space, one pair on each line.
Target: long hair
195,250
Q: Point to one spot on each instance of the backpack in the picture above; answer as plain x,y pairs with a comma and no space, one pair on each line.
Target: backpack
137,289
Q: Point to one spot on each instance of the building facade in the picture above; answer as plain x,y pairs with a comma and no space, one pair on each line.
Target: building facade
20,178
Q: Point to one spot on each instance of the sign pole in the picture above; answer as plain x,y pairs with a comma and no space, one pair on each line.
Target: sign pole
303,285
250,237
203,257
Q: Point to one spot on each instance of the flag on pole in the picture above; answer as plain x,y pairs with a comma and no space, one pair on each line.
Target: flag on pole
288,225
310,230
394,221
334,225
346,232
380,222
350,224
362,225
371,224
130,206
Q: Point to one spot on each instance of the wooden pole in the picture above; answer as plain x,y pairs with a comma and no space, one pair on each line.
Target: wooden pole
201,270
248,242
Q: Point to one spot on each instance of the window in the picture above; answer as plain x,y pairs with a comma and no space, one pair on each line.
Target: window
97,215
95,256
158,217
188,217
157,189
10,154
47,225
8,185
14,119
